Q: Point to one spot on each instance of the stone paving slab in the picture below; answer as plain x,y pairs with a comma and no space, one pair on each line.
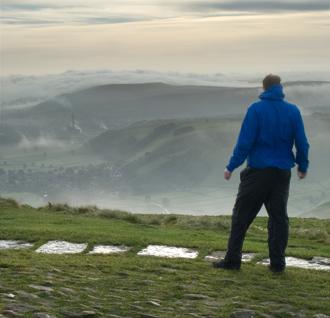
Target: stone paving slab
15,245
61,247
217,255
109,249
320,260
168,251
318,263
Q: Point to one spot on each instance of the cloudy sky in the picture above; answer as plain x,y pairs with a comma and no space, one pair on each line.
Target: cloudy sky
46,36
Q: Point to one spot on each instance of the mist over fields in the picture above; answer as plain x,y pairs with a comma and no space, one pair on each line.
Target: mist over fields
145,141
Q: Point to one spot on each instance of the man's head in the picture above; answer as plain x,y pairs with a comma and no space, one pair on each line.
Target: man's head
270,80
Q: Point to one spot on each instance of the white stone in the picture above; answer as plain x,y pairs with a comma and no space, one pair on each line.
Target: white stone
315,263
217,255
61,247
168,251
109,249
10,244
248,257
321,260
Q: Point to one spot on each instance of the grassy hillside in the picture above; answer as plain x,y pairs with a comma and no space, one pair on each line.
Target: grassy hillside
140,286
165,154
169,147
179,160
177,152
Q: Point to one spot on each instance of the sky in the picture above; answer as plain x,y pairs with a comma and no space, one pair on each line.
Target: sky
202,36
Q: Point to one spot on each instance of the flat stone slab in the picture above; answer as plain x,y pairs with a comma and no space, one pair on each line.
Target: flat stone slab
320,260
217,255
168,251
109,249
14,245
318,263
61,247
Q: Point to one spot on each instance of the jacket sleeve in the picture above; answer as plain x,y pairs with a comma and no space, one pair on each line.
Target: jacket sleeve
245,141
301,144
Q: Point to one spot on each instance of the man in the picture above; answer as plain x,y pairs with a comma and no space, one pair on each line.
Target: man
269,130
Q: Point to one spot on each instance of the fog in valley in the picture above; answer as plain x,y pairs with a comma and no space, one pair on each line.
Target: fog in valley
146,141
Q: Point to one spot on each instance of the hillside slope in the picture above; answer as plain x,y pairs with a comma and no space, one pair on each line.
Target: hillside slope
175,153
322,211
118,105
129,285
167,154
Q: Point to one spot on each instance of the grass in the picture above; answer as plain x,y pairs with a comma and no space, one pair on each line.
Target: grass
137,286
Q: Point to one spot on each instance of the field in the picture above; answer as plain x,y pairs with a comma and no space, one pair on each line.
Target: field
128,285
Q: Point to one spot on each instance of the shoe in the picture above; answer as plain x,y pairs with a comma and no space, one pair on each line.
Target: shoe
225,265
276,269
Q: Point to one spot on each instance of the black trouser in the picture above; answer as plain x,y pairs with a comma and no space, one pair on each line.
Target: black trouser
268,186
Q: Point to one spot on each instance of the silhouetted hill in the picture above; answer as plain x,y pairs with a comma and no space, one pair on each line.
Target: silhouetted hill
118,105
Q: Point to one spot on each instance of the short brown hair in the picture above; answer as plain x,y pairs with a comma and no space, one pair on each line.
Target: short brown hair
270,80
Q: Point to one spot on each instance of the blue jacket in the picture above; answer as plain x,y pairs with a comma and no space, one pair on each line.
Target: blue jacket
269,130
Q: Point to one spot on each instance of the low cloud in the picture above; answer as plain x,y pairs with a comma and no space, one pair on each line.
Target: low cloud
41,142
69,12
20,90
259,6
112,12
25,6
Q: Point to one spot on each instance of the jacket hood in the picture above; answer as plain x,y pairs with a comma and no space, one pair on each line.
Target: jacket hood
273,92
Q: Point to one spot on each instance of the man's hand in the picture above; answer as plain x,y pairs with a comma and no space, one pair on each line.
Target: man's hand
227,174
301,175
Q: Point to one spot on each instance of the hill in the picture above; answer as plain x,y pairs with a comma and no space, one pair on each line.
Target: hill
156,165
146,139
168,153
128,285
117,105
